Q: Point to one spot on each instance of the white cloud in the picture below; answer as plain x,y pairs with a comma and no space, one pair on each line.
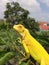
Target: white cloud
42,16
2,7
30,2
45,1
32,5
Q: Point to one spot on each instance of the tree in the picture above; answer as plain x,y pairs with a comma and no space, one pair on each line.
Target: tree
31,24
14,12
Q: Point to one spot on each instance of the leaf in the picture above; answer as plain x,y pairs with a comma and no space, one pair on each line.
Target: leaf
24,63
6,57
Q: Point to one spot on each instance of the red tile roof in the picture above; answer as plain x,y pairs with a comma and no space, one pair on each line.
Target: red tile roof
44,26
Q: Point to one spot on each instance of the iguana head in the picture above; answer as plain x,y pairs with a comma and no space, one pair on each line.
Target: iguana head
20,29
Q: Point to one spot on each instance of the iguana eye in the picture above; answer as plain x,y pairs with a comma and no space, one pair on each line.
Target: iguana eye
20,27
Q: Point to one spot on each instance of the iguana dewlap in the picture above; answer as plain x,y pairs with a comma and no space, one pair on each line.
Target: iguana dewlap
32,46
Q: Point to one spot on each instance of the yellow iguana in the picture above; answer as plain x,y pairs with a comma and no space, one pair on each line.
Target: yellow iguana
32,46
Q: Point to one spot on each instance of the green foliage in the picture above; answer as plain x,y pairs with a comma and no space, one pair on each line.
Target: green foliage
9,44
11,51
23,63
31,24
15,14
3,25
6,57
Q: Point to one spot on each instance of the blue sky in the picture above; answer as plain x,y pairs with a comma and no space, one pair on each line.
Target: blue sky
39,9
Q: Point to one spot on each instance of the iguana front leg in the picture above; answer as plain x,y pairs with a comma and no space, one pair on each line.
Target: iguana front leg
43,61
27,54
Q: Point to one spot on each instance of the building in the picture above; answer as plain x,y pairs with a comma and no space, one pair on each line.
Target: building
44,26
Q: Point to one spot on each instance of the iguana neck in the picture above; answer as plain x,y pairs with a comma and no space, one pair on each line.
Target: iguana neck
23,35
